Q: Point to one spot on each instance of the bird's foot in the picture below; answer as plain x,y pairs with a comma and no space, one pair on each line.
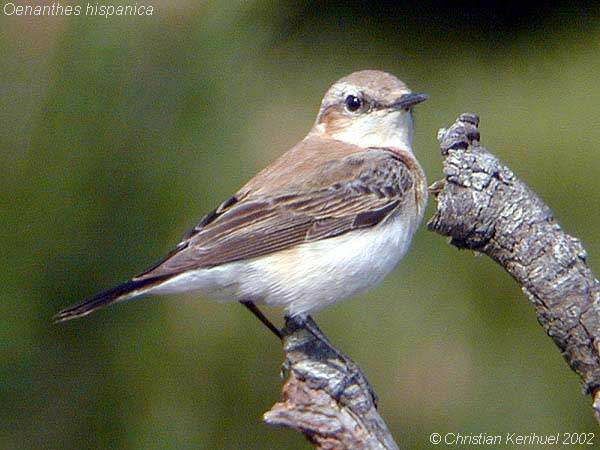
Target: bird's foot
330,355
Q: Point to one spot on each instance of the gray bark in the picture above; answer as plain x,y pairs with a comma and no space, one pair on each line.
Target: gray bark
326,396
484,207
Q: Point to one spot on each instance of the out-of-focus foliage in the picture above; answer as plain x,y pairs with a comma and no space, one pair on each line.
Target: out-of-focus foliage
118,134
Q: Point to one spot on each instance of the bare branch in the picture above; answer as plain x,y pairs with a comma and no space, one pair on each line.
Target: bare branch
483,206
326,396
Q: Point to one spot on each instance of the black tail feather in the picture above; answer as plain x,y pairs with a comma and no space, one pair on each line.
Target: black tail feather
121,292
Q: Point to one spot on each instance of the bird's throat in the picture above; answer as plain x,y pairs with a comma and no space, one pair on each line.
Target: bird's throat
393,130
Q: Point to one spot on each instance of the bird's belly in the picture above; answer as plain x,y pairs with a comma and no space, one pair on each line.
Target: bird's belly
314,275
309,276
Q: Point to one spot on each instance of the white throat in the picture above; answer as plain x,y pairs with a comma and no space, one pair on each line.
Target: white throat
377,129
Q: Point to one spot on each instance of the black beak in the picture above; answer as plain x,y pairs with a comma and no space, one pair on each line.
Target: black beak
407,101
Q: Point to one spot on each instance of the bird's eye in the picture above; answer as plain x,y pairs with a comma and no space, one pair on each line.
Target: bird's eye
353,103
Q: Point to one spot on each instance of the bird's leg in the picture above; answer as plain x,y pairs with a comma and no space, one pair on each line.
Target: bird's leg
355,372
258,313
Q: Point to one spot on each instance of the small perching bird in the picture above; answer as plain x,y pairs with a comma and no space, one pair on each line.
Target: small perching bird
328,219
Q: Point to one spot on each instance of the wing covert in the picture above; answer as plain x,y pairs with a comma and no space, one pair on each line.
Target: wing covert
368,187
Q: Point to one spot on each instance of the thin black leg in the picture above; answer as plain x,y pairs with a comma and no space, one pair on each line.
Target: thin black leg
257,312
311,326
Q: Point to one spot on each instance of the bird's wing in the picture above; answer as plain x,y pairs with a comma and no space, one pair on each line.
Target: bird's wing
358,191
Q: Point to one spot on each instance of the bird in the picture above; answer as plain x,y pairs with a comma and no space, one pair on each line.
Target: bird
327,220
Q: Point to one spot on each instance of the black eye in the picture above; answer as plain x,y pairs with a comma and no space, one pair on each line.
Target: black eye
353,103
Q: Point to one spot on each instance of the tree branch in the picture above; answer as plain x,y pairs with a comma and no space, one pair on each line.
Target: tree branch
483,206
326,396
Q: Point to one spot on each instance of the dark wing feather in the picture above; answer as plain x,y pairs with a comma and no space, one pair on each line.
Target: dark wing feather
373,184
206,220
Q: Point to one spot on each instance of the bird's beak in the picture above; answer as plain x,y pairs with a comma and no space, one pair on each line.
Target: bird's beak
407,101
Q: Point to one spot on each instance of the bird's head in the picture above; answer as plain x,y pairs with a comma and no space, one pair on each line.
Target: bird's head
368,108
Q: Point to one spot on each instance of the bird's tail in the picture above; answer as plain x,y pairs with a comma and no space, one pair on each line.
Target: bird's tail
125,291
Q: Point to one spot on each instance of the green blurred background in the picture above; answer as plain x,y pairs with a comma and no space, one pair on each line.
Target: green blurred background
118,134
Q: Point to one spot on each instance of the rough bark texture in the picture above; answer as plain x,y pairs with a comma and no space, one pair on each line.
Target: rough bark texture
326,396
483,206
